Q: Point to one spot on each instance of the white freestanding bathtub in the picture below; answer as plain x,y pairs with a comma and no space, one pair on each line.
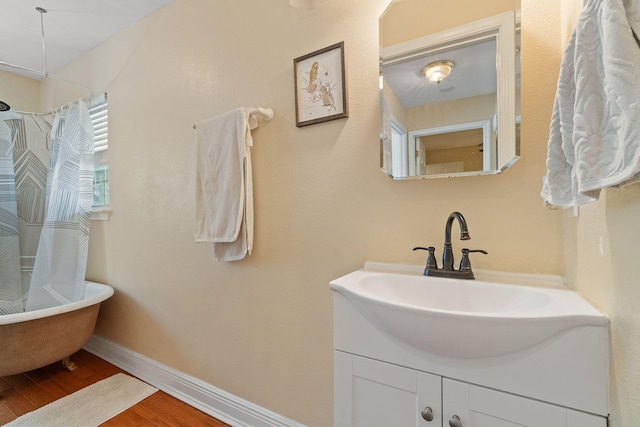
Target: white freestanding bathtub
34,339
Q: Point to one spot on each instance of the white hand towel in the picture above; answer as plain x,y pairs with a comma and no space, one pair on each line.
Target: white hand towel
594,139
224,189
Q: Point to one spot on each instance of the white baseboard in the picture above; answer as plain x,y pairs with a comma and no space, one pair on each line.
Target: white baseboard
224,406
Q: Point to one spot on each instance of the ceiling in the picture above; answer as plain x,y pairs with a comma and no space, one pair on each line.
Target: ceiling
71,27
474,74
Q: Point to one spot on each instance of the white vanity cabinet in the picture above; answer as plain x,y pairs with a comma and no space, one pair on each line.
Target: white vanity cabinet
370,393
482,407
396,357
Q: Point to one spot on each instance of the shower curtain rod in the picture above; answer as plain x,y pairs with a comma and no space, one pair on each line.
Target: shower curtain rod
47,74
93,99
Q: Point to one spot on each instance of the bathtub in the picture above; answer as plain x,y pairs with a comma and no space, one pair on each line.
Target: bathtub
38,338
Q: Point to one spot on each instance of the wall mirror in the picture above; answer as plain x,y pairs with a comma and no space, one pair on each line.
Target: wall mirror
450,88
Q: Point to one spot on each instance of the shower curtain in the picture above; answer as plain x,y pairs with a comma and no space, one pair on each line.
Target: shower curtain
12,293
53,180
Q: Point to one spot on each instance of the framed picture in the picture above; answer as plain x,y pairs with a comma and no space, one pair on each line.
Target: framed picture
320,86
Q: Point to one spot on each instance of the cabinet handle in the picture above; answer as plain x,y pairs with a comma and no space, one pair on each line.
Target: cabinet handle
427,413
455,421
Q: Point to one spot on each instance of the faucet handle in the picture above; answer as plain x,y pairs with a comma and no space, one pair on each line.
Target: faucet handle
432,264
465,264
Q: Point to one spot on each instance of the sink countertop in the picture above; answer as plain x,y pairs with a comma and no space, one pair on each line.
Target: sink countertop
507,277
465,318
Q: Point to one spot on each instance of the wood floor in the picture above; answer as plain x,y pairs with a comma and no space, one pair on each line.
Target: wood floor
26,392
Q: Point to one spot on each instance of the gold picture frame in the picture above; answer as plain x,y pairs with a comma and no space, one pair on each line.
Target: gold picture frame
320,86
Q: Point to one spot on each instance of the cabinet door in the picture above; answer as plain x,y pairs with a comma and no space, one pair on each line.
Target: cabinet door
369,393
480,407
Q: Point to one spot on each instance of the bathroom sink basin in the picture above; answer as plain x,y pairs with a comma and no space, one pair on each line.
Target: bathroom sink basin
464,318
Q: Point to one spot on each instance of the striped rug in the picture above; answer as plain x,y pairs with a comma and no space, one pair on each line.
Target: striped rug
90,406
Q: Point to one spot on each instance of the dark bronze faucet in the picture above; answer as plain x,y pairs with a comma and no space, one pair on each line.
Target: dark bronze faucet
464,272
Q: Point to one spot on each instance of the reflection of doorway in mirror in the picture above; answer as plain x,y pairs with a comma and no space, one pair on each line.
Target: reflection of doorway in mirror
393,144
399,152
463,149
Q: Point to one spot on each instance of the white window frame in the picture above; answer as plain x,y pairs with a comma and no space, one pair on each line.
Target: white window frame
99,114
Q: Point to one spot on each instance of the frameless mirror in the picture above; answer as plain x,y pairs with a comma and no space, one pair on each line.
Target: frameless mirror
449,84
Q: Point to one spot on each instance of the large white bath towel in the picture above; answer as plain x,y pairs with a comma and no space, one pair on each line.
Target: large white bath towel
594,139
224,188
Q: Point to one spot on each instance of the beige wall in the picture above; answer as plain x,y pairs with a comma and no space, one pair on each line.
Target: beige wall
261,328
21,93
464,110
601,259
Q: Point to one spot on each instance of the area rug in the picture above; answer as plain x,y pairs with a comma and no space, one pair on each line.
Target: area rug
90,406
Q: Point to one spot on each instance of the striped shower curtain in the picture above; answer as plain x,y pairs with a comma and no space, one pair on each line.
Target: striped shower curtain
61,261
24,156
11,292
46,188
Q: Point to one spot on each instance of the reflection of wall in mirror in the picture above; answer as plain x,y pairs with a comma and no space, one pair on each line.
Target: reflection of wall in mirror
475,108
410,19
393,105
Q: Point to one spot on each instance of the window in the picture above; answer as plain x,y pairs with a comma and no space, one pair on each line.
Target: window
99,115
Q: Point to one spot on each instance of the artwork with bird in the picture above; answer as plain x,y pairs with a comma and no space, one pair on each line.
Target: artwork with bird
320,86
